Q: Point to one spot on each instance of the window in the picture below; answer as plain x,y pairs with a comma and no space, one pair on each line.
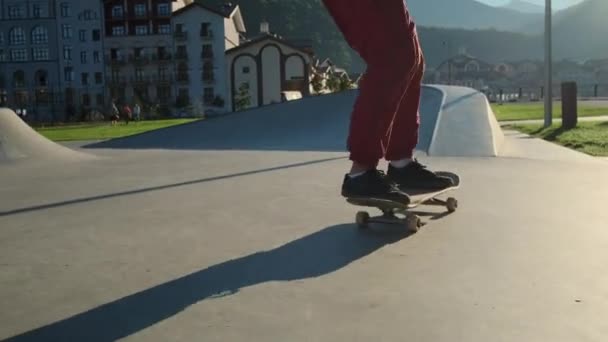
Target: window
207,51
85,99
68,74
98,78
246,70
36,12
164,9
205,30
88,15
40,54
2,56
40,35
96,57
65,9
16,36
118,31
117,12
15,11
96,35
19,79
162,74
19,55
82,34
141,30
140,10
66,31
83,57
84,78
100,99
179,28
67,53
115,75
164,29
208,95
139,74
41,78
163,93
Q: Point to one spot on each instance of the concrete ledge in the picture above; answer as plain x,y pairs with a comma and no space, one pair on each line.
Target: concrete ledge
466,125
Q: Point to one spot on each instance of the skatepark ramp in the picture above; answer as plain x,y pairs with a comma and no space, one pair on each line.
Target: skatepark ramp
18,141
449,118
466,125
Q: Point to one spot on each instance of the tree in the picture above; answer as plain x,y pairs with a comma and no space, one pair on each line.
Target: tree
317,83
243,99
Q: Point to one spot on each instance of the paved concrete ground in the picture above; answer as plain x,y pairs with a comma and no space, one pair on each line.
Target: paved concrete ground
243,244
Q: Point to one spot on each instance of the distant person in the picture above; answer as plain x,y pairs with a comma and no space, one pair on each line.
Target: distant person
385,120
127,114
137,111
115,116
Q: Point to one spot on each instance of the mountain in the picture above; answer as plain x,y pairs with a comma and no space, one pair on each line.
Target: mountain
470,14
525,7
580,31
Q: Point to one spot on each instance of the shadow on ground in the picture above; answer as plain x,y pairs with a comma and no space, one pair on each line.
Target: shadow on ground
315,255
317,123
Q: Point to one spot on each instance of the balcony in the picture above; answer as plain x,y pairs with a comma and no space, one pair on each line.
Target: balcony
116,60
141,80
207,55
116,81
206,35
208,78
180,35
181,55
182,77
139,60
162,79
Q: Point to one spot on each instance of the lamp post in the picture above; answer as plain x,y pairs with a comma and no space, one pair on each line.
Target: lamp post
548,65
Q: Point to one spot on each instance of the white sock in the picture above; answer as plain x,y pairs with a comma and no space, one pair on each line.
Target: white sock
400,163
356,174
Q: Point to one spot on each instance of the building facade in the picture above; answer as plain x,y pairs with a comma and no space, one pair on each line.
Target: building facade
138,45
263,69
40,56
202,35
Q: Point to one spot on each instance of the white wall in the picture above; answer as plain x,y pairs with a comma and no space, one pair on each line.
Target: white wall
251,78
231,35
271,68
191,20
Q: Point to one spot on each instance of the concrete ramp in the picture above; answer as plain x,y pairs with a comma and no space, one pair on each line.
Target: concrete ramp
18,141
317,123
466,125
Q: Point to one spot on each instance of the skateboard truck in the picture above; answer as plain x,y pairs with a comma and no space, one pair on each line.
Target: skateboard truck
390,209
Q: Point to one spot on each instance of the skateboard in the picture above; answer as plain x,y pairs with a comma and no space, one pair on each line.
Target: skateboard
390,209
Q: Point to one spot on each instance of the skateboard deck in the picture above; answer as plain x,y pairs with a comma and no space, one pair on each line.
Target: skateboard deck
417,197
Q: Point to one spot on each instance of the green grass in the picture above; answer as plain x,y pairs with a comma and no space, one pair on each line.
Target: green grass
536,110
101,131
587,137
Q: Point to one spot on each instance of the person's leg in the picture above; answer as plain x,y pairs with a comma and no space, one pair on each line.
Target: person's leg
383,85
403,138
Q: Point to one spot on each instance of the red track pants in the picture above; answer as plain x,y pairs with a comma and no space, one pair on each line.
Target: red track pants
385,119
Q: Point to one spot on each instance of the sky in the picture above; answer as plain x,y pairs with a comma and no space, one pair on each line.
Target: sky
557,4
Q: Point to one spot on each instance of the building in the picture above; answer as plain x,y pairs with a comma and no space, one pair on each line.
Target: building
138,44
79,27
266,69
48,64
202,36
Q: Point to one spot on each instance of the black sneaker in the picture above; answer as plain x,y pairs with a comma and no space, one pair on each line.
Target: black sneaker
416,176
373,184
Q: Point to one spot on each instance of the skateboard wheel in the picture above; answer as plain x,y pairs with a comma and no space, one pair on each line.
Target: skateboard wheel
413,223
362,219
452,204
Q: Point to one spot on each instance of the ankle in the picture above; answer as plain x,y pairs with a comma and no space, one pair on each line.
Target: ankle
401,163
